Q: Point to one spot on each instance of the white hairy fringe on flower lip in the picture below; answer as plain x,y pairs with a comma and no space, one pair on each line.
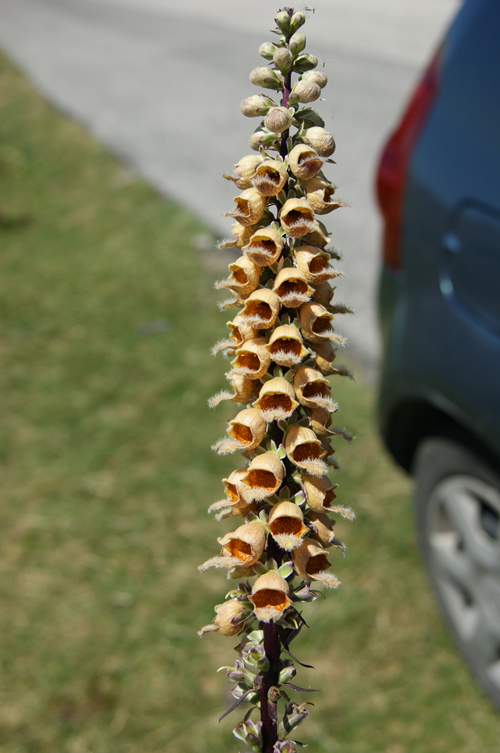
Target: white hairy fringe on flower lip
250,205
304,162
244,171
246,431
320,140
264,247
244,277
252,359
297,218
276,400
286,525
241,547
319,236
263,478
270,177
315,323
270,597
244,390
291,287
228,620
285,346
312,389
234,503
315,265
319,194
241,234
240,332
311,563
305,450
261,309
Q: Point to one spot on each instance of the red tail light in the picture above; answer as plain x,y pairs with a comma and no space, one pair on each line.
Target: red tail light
391,174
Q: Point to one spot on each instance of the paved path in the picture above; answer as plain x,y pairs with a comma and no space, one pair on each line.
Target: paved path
160,84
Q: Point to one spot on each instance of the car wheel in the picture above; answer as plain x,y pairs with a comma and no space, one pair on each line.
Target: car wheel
458,514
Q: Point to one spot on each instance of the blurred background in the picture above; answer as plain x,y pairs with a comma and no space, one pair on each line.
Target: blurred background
108,316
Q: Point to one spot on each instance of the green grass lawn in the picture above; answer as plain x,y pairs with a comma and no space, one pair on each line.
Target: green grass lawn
107,318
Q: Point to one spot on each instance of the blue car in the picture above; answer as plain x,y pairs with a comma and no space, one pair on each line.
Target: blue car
438,187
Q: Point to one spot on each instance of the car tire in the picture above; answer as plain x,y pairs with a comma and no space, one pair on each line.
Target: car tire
457,497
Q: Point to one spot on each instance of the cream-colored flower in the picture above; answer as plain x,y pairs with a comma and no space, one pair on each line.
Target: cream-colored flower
305,450
325,355
286,525
305,163
320,492
323,294
322,531
311,563
234,503
264,247
241,547
315,323
244,171
241,331
246,431
244,277
319,194
228,620
276,400
270,177
261,309
319,236
285,346
297,218
291,287
320,421
244,390
252,359
318,77
270,597
249,207
315,265
241,234
263,478
312,389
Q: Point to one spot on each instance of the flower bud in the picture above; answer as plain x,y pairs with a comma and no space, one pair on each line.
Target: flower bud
261,309
312,389
305,91
244,171
265,246
278,119
297,218
276,400
291,287
270,177
305,63
315,266
252,359
261,138
282,59
267,78
264,476
320,140
283,20
319,193
305,163
285,346
304,449
270,597
311,563
316,77
256,105
228,620
297,43
267,50
297,20
249,207
286,525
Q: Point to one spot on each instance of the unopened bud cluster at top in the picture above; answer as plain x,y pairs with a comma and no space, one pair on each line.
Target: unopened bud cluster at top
281,347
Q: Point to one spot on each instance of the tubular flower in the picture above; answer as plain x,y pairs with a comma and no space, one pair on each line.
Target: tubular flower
286,347
292,288
312,389
252,359
270,597
263,477
270,177
249,207
228,620
276,400
241,547
261,309
286,525
311,563
315,265
304,449
281,345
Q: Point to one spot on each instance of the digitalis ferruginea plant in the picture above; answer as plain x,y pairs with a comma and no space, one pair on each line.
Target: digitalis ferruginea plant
281,347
